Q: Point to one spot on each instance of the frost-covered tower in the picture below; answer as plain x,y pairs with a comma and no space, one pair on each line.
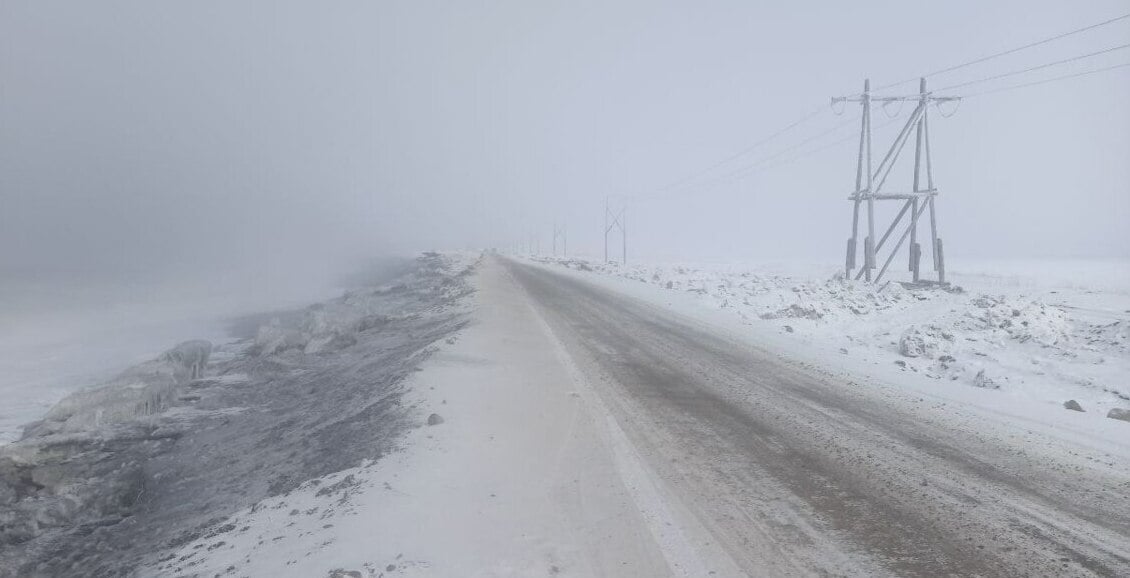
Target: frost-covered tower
869,183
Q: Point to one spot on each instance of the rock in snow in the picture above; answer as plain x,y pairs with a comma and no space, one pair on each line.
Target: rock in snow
1072,405
982,380
434,419
1118,413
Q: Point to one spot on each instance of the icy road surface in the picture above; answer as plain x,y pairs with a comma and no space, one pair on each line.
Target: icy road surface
793,472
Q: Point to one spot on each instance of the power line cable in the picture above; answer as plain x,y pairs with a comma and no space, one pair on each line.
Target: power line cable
760,165
1009,51
789,160
676,183
684,180
1033,68
837,142
800,144
755,164
1047,80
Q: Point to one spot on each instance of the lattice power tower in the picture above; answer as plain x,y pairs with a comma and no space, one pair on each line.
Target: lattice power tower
869,183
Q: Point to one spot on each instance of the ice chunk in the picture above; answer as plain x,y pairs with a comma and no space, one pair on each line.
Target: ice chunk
274,338
142,390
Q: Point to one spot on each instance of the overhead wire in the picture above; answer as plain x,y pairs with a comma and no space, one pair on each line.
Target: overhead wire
1033,68
765,163
1007,52
848,122
736,172
837,142
808,153
681,181
1047,80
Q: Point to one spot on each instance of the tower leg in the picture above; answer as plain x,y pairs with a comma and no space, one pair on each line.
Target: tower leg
941,262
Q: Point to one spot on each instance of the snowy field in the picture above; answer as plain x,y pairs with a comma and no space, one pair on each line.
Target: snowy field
1042,332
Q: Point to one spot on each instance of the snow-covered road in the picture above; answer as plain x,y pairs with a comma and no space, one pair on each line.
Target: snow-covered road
795,472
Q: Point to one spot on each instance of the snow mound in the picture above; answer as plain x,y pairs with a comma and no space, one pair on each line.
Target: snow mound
769,296
929,341
334,325
1114,336
1020,319
796,311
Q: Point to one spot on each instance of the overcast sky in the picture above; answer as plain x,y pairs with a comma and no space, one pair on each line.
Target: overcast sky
160,138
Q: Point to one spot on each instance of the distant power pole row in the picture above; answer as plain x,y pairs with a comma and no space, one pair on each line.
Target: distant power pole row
869,183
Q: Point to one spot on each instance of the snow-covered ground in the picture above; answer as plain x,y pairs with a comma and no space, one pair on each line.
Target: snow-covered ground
118,473
1037,331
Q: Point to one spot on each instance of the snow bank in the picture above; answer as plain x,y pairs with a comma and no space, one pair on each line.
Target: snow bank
334,325
1048,341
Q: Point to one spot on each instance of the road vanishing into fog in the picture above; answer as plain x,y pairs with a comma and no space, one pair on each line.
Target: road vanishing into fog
793,472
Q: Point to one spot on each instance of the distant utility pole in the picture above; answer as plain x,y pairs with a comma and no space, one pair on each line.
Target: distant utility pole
616,220
559,233
868,185
532,247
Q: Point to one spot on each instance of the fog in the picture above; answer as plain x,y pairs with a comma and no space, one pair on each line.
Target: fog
187,187
267,145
